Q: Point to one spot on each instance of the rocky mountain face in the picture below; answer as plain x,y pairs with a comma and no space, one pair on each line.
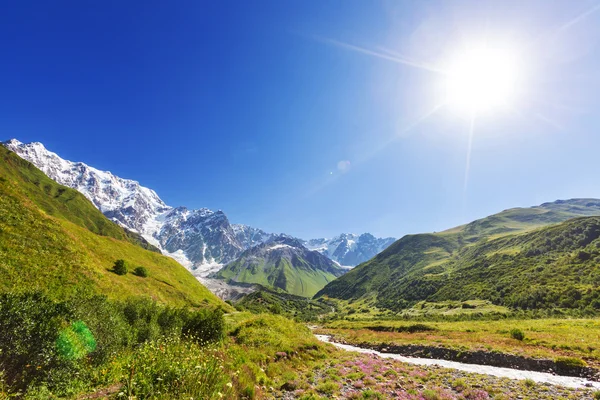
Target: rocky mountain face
283,262
248,236
349,249
202,240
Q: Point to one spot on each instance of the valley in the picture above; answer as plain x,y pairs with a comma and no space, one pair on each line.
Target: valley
517,289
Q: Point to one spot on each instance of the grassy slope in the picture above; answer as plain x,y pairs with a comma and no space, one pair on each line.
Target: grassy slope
300,279
47,243
447,265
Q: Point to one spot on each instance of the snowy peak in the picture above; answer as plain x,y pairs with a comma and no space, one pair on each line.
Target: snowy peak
200,239
193,237
248,236
122,200
349,249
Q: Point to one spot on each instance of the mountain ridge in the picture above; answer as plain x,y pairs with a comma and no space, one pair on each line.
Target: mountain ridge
201,240
284,263
425,266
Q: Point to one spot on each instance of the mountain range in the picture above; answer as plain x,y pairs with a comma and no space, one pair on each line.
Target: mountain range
202,240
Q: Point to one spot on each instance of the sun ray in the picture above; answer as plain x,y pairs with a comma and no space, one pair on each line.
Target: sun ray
567,25
330,179
548,121
383,55
469,151
578,18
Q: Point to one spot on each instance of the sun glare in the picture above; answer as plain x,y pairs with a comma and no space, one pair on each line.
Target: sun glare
481,80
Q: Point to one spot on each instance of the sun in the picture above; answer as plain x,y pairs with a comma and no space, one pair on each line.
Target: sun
481,80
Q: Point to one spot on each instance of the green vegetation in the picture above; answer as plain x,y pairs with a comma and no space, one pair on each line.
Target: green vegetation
278,302
142,272
295,275
554,267
516,333
44,343
53,240
120,267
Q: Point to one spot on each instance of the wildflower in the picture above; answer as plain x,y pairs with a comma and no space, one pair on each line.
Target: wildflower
229,384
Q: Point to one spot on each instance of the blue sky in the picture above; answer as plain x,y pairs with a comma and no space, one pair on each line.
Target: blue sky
275,113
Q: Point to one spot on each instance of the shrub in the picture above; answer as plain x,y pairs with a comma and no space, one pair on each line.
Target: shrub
204,325
120,267
29,328
517,334
106,321
142,316
141,271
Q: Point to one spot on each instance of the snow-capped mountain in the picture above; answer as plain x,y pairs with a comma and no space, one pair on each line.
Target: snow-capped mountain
196,238
202,240
122,200
349,249
248,236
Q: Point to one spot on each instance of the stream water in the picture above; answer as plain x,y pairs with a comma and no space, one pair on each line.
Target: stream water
542,377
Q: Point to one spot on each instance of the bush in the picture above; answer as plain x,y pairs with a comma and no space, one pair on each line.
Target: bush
141,271
29,328
517,334
204,325
49,346
106,321
120,267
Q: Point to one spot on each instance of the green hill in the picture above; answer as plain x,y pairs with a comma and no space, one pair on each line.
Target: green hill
512,258
277,302
54,240
283,263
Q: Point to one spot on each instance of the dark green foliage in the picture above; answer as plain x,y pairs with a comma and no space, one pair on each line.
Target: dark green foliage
120,267
29,327
47,342
517,334
204,325
555,267
141,272
274,302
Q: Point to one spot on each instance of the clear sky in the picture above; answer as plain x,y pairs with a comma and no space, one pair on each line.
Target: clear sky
310,117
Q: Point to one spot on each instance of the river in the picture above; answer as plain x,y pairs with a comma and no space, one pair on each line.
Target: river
541,377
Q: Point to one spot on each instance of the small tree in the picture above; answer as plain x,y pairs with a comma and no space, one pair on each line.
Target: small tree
517,334
120,267
141,271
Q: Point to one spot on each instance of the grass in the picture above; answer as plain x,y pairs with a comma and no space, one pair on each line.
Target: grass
544,338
